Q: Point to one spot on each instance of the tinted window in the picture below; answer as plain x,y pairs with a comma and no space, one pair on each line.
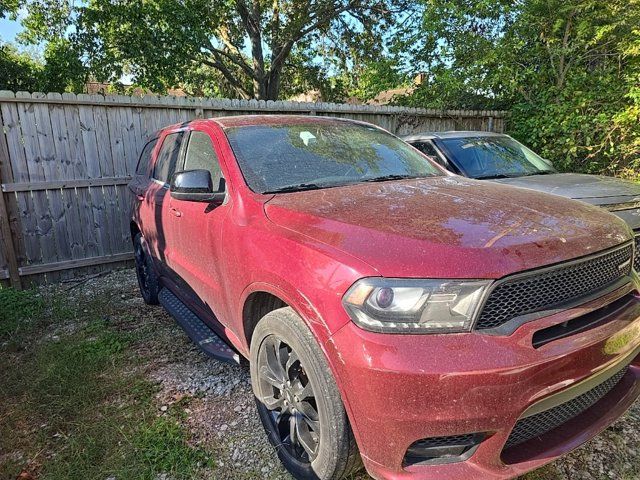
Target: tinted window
145,158
168,157
322,155
426,148
202,155
493,157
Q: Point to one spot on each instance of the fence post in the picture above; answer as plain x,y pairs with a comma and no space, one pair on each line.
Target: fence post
6,238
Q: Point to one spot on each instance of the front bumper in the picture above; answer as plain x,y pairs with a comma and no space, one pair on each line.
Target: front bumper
399,389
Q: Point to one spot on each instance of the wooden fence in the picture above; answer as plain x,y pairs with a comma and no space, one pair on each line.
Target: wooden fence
65,161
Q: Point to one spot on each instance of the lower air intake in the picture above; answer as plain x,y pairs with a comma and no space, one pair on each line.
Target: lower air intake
543,422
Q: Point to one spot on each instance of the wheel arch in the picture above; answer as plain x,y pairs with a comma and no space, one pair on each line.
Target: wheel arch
261,298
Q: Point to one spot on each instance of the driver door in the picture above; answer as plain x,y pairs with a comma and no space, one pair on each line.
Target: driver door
197,229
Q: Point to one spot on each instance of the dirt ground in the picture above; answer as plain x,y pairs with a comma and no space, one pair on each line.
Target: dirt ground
213,403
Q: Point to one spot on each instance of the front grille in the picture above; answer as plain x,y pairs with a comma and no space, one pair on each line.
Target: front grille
636,260
551,287
543,422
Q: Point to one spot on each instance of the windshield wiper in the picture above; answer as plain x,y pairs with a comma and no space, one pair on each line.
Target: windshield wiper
497,175
541,172
296,188
386,178
317,186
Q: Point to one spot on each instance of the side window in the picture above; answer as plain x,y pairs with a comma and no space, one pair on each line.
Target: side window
429,150
202,155
168,157
145,158
426,148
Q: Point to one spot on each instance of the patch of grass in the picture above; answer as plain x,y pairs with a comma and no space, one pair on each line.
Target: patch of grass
75,408
18,310
161,447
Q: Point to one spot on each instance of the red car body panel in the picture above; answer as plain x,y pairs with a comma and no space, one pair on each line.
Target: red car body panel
308,248
415,228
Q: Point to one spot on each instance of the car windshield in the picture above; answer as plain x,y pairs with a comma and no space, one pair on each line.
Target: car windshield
314,155
493,157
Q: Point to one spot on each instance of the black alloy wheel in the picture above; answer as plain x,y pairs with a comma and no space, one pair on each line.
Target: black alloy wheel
286,392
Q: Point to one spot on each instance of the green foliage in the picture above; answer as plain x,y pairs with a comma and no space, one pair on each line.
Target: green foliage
77,398
59,70
214,46
163,448
18,71
63,69
569,72
18,309
368,79
9,8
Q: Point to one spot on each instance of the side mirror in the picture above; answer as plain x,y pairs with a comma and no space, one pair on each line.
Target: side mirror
196,186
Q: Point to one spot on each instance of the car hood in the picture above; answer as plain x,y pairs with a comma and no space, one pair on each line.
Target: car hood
596,189
447,227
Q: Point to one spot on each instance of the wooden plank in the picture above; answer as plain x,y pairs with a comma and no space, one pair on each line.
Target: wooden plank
98,243
53,154
111,149
126,166
66,158
21,207
7,251
43,224
69,264
82,225
64,184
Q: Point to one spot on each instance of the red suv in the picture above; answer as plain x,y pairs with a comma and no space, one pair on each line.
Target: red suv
429,325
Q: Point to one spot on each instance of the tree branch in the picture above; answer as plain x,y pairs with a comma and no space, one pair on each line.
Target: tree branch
236,58
228,75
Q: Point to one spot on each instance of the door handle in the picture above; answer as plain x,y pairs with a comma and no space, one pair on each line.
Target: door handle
140,197
177,213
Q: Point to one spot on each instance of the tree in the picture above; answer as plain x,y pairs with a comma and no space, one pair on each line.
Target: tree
568,71
9,7
19,71
58,69
247,42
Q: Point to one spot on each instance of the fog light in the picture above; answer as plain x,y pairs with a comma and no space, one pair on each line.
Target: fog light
456,448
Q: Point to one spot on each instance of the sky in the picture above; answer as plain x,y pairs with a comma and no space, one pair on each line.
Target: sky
9,29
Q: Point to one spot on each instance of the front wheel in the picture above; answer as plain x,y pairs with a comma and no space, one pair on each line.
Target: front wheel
298,401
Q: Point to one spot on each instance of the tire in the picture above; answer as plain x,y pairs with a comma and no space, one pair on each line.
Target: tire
145,271
323,446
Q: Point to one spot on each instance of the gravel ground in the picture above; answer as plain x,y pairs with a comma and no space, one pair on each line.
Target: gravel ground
221,416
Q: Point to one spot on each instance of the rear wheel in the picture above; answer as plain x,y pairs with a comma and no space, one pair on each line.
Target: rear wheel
298,401
147,279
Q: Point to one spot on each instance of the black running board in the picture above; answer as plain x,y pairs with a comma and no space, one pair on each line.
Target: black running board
198,331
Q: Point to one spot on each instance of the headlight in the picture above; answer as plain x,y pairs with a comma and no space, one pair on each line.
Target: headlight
414,306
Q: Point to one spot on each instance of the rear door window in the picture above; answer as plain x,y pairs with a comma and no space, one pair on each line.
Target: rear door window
167,159
145,158
201,155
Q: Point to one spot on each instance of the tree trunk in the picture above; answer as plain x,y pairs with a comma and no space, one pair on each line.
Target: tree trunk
273,85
